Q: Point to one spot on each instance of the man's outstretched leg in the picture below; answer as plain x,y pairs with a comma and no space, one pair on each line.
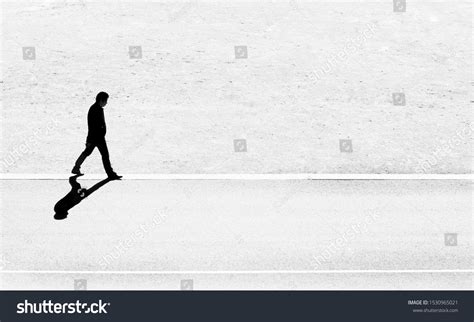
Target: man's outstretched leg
87,151
104,151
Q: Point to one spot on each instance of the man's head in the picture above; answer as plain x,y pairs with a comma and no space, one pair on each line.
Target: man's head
102,98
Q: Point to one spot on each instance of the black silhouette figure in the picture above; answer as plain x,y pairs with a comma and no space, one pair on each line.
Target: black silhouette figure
96,136
75,196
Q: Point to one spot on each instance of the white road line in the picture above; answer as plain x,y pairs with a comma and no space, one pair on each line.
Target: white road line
289,176
404,271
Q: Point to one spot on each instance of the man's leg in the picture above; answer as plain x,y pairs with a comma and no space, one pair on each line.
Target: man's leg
87,151
104,151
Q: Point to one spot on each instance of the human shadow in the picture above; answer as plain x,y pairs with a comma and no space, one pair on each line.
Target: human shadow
75,196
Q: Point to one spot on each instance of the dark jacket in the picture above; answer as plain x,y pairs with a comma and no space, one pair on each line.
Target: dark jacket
96,123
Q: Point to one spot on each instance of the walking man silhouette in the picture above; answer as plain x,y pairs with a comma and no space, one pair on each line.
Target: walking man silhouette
96,136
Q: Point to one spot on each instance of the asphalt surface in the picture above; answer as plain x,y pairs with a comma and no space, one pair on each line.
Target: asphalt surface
234,234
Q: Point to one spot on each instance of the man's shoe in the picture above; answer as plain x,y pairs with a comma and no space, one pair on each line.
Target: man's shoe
77,171
113,176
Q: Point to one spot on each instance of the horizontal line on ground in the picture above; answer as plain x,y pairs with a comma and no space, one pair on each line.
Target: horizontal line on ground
309,272
192,176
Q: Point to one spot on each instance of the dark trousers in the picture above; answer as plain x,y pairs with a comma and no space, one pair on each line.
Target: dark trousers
90,146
